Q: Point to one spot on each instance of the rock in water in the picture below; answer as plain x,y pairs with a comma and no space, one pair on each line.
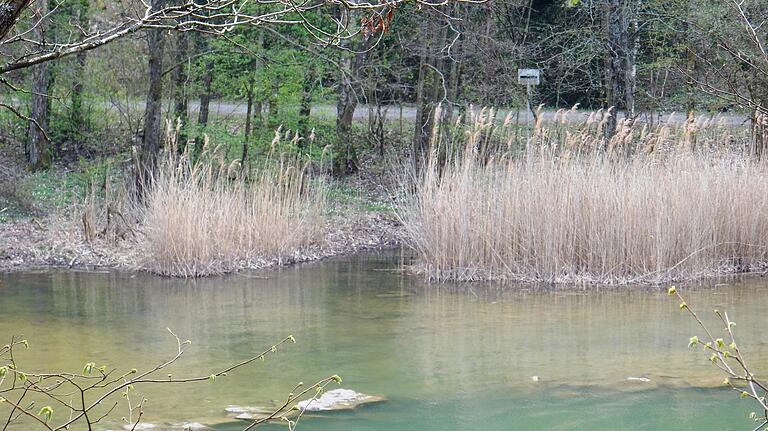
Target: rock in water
141,426
191,426
338,399
237,410
639,379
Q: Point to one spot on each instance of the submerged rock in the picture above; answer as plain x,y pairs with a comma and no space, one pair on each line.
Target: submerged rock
237,410
141,426
191,426
338,399
639,379
335,400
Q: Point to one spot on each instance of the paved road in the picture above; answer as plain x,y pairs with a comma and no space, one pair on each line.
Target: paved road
224,108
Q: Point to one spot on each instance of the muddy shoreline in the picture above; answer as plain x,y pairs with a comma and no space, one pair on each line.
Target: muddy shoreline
53,243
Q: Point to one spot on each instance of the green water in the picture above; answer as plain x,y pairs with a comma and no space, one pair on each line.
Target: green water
446,357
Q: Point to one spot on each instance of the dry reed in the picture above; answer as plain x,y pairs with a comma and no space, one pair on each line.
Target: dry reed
211,217
574,208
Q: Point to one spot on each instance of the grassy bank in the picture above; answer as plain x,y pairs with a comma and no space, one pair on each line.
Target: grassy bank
207,217
214,217
648,206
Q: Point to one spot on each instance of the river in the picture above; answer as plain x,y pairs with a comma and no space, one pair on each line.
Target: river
447,357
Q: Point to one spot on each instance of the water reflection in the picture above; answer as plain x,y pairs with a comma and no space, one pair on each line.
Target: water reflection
463,354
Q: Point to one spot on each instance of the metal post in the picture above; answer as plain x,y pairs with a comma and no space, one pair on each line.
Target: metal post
528,114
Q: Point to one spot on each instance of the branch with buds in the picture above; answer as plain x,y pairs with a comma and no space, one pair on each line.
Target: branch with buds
726,355
84,397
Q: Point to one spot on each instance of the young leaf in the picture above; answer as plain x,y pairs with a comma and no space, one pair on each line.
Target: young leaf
46,412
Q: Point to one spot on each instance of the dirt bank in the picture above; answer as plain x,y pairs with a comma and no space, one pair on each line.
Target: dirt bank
53,242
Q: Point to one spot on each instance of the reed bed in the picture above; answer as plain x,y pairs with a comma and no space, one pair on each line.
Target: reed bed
210,217
648,206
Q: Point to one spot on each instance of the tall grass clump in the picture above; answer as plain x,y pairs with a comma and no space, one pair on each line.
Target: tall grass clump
644,207
212,217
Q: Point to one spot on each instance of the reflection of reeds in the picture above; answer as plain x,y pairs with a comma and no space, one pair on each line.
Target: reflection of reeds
208,218
647,206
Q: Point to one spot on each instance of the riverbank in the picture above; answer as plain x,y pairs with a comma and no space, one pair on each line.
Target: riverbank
54,242
39,229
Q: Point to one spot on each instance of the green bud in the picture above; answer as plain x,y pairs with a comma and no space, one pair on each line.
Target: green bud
693,341
273,349
3,372
21,376
732,345
743,394
720,343
672,290
726,381
212,377
683,305
46,412
336,378
134,371
88,368
713,358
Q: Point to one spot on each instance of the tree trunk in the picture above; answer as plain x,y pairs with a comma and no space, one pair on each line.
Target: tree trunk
153,130
38,151
205,107
274,104
619,71
345,158
77,119
180,78
306,102
10,10
427,91
205,97
248,122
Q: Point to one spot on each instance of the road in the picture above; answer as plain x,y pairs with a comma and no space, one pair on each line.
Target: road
328,112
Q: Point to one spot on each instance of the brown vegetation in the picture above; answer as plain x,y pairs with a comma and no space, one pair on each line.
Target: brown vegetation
646,206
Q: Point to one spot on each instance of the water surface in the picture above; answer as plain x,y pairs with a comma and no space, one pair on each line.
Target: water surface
446,357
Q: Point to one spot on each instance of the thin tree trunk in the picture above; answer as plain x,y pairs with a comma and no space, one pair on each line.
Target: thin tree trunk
274,104
180,78
426,94
205,97
306,101
153,130
78,125
345,159
618,69
38,151
248,122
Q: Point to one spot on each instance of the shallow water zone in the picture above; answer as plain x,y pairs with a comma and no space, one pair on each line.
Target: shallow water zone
446,357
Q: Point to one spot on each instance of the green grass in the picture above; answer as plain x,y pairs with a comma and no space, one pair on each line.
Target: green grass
346,197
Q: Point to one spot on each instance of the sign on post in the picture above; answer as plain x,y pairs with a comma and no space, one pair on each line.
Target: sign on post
528,76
